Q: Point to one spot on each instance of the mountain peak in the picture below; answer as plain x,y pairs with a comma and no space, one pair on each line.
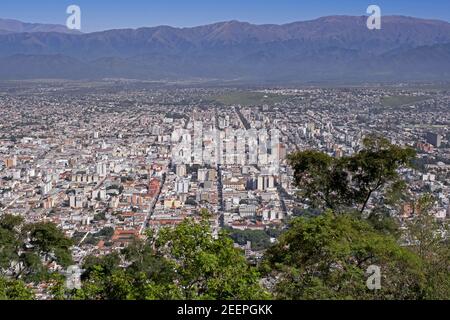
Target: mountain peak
16,26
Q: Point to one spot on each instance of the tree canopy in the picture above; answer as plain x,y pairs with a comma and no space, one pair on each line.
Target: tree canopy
14,290
185,262
27,249
350,182
326,257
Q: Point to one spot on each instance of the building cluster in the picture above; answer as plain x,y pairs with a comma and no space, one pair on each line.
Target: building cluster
105,167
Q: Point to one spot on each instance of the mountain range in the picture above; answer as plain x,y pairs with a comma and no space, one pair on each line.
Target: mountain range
16,26
333,48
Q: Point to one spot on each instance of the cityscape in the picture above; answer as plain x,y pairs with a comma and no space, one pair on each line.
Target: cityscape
105,167
217,159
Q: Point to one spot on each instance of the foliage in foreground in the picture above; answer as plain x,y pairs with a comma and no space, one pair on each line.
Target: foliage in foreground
326,257
322,257
26,250
186,262
14,290
343,184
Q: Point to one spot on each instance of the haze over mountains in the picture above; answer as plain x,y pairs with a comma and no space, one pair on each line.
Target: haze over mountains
335,48
15,26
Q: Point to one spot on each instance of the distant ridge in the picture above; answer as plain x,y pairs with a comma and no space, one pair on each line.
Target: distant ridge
333,48
16,26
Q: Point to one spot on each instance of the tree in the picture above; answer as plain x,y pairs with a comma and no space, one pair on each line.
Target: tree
10,242
50,242
147,275
350,182
322,179
102,285
426,236
259,239
207,267
326,257
27,248
14,290
185,262
144,259
108,264
376,167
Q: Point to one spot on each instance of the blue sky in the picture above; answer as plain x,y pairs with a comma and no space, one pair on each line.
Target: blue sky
110,14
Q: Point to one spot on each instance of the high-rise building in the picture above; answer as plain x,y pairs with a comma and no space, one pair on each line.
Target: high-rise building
16,174
229,143
262,147
46,188
181,170
275,148
266,182
252,136
198,143
182,186
101,169
209,142
202,175
434,139
241,156
75,202
11,162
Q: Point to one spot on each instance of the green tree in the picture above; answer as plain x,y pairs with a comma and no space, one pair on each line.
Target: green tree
207,267
14,290
326,257
108,264
144,259
350,182
375,169
104,285
185,262
26,248
259,239
322,179
427,236
49,241
10,242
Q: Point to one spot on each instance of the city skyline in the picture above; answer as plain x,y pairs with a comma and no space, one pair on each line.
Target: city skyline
244,150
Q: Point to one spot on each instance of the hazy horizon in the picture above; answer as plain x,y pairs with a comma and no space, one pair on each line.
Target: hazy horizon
103,15
222,21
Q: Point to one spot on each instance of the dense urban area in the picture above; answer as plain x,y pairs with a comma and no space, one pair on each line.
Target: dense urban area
107,162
